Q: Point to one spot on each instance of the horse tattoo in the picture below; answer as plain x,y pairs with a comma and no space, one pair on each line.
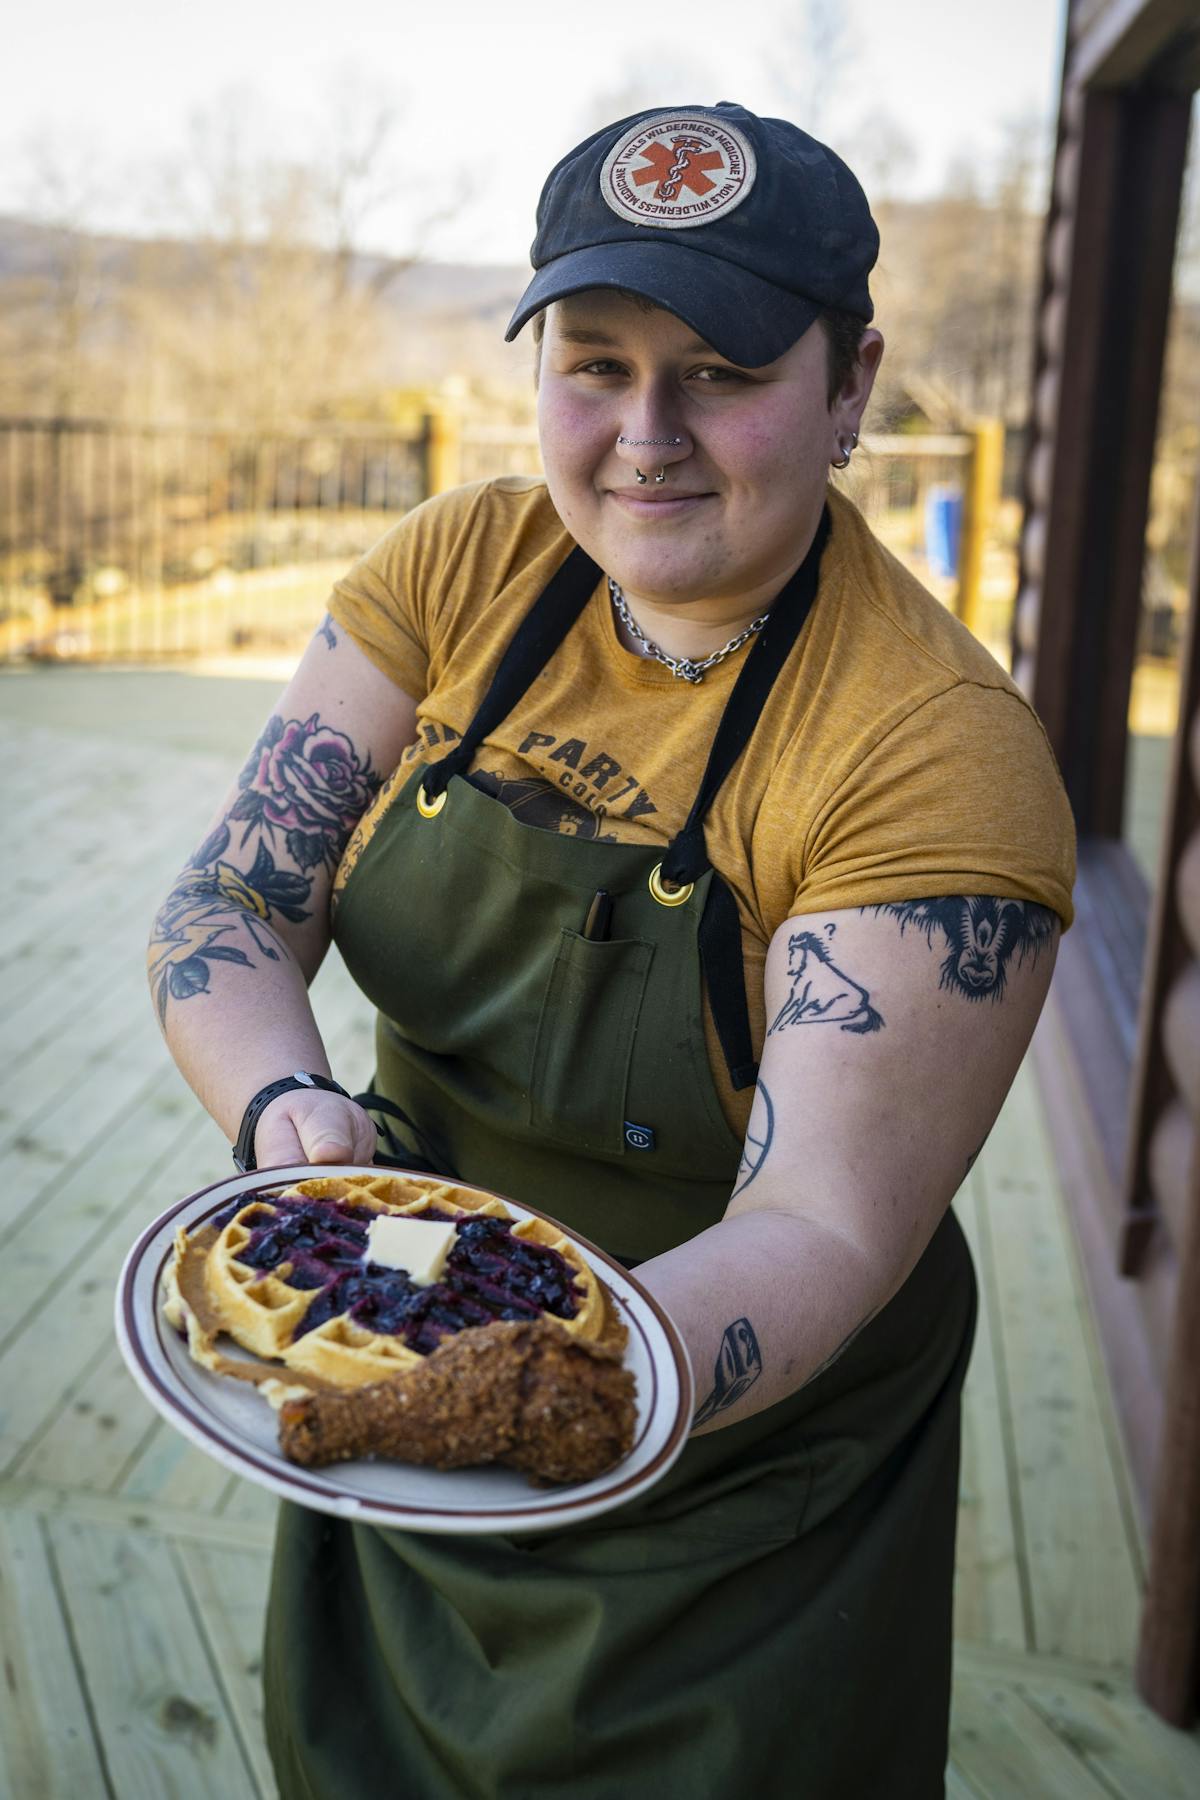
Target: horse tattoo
821,994
984,933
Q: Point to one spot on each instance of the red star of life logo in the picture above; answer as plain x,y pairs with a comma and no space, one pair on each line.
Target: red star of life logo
675,171
682,164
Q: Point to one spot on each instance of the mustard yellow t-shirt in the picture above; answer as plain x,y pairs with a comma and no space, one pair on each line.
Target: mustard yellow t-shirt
894,759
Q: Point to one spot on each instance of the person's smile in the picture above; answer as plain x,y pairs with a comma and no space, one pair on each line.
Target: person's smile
659,507
695,483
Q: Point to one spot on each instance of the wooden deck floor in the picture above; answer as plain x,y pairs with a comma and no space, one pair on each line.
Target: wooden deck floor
132,1569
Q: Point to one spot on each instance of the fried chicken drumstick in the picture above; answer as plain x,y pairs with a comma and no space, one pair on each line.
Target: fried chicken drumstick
523,1393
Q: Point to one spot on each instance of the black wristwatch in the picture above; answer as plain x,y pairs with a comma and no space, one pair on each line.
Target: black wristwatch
243,1150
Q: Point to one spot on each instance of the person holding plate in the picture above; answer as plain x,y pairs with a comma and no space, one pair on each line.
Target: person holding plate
706,876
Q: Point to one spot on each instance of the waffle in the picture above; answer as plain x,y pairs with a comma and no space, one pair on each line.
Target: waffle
283,1274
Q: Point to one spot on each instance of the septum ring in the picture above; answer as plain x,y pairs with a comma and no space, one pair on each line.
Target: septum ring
642,479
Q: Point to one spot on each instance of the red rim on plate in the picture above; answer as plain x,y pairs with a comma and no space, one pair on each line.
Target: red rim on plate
147,1343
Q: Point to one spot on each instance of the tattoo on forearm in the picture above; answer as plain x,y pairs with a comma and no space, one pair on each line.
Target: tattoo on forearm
983,934
325,630
306,783
212,903
759,1133
821,993
738,1367
841,1349
304,786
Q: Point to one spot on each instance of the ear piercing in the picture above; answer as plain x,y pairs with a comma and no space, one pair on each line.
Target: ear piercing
847,450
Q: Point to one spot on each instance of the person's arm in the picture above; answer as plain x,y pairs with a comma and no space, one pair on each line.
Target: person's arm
893,1035
246,924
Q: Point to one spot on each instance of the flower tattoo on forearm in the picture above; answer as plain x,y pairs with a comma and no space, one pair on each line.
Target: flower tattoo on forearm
301,793
304,781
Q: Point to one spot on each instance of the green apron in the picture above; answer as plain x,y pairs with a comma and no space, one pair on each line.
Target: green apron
773,1618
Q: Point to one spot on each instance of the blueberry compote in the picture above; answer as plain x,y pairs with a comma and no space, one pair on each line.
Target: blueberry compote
489,1273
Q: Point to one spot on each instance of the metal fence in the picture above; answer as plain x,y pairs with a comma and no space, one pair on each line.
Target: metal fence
153,541
157,542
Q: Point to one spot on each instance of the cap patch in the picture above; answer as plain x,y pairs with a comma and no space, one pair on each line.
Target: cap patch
677,170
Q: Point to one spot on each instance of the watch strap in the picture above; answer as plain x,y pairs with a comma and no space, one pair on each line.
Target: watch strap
243,1150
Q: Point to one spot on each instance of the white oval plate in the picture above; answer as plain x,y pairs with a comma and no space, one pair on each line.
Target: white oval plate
235,1425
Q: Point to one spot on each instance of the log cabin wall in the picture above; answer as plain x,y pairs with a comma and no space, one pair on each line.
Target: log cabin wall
1119,1048
1162,1210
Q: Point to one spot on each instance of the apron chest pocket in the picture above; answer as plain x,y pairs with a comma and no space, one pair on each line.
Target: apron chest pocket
584,1043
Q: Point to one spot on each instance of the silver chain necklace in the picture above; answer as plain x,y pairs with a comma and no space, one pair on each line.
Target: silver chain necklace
682,666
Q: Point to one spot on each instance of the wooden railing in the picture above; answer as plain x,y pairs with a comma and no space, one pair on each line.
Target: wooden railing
151,542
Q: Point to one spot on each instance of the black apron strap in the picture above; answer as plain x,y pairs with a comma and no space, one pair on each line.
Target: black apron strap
720,943
424,1160
534,642
537,638
686,858
720,935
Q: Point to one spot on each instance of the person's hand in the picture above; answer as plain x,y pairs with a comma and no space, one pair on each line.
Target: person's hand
307,1125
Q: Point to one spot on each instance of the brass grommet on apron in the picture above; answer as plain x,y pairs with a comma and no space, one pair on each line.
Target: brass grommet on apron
429,809
668,896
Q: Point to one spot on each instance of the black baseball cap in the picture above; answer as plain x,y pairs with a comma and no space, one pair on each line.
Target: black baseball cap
745,228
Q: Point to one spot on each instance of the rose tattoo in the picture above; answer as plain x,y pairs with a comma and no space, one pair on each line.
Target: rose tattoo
305,780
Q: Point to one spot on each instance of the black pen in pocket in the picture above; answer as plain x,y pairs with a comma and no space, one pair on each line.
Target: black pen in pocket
599,917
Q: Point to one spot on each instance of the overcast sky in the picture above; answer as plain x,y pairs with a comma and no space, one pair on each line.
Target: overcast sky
489,95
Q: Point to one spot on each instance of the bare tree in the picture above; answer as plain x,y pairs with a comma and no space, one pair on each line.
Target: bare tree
51,317
656,75
260,300
812,57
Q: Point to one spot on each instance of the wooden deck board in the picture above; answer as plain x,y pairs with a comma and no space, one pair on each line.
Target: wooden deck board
123,1544
101,1425
1119,1741
229,1589
84,962
53,1223
80,1287
245,1504
79,1408
47,1745
171,1472
991,1587
161,1715
1100,1719
1082,1563
1005,1749
126,1514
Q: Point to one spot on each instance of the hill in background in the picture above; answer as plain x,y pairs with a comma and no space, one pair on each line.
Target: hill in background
176,329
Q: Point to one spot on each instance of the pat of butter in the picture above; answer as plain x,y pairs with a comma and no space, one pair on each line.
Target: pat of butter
418,1246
